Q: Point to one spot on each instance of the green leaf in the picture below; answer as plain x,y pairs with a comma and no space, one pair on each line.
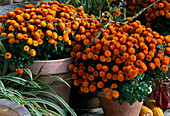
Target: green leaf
12,74
14,92
49,112
58,78
12,98
108,4
35,110
29,94
3,37
35,84
2,87
18,80
62,101
43,85
2,48
48,103
32,114
124,14
28,72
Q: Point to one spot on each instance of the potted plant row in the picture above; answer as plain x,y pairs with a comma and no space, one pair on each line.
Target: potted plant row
114,57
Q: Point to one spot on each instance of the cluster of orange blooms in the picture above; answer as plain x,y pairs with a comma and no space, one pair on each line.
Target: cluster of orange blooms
118,55
159,9
47,24
31,22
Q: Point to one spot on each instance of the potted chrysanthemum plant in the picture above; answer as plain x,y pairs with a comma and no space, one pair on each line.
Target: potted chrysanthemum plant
37,38
119,62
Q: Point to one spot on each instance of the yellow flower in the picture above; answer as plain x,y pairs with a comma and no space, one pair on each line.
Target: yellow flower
32,52
26,48
35,43
29,41
69,42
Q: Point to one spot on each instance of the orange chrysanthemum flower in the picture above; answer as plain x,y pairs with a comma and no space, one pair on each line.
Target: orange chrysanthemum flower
8,55
131,50
164,68
26,48
115,68
114,86
90,69
32,52
121,77
19,71
151,65
132,58
107,53
100,84
91,78
115,77
109,95
102,58
74,76
141,55
115,94
125,55
129,19
165,60
106,90
133,73
108,75
102,73
85,84
128,76
95,73
92,88
116,51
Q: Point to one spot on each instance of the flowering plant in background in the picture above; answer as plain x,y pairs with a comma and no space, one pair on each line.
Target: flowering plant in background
156,17
37,33
121,59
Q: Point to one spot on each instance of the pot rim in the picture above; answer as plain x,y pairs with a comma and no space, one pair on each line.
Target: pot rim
58,60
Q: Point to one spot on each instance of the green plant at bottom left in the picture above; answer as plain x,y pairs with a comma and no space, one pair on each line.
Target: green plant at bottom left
26,91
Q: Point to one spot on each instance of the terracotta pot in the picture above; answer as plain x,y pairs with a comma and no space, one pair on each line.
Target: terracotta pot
54,67
112,108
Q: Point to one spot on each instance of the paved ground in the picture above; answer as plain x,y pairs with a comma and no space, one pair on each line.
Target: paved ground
99,112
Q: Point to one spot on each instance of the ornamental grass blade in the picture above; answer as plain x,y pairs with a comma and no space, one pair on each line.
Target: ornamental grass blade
28,72
62,101
12,74
34,109
29,94
2,87
15,92
18,80
48,103
12,98
49,112
32,114
43,85
2,48
58,78
34,84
